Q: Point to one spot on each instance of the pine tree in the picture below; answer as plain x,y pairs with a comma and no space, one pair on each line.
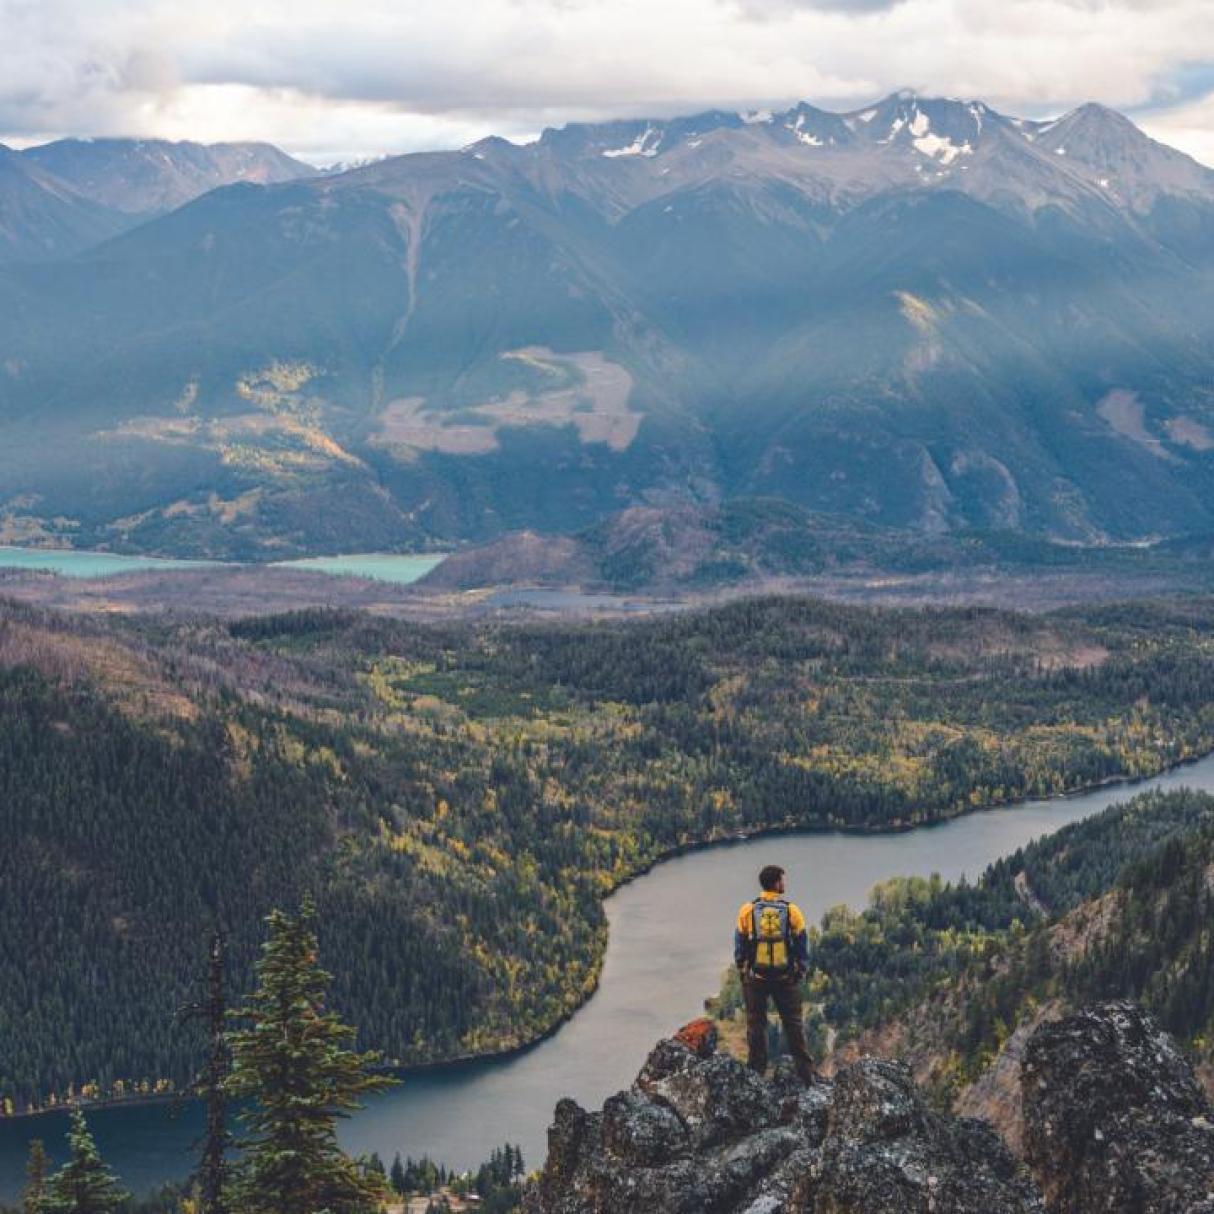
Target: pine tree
213,1172
84,1185
36,1168
292,1060
211,1085
397,1176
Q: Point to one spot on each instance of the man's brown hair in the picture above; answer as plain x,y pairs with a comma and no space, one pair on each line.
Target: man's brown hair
769,877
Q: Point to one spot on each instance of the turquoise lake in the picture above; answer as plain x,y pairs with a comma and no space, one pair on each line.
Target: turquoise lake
87,564
384,567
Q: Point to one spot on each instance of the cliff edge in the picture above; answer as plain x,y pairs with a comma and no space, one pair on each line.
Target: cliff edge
1114,1120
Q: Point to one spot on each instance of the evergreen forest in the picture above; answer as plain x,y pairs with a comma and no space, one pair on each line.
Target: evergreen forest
457,799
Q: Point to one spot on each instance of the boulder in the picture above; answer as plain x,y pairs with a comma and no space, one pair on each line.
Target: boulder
886,1151
1114,1118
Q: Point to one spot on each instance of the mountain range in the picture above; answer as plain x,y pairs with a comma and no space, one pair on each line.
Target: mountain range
59,198
922,315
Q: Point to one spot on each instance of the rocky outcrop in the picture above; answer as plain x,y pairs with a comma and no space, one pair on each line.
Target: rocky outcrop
1114,1118
698,1133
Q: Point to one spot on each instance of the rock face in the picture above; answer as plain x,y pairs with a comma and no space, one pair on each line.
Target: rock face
1114,1118
698,1133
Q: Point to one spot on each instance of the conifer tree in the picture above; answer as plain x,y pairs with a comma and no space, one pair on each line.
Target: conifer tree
397,1176
84,1185
293,1060
36,1168
213,1169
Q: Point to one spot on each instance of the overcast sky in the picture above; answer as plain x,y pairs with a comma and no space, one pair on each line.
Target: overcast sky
338,81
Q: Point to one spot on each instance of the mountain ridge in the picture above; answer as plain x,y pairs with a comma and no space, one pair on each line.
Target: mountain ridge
146,177
936,323
61,198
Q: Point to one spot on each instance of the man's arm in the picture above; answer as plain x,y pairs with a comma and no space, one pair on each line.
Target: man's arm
741,937
800,938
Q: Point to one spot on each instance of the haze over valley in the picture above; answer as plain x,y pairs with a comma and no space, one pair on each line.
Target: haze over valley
922,315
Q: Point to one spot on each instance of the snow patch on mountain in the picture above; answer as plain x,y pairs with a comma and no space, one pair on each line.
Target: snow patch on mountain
941,149
806,137
895,127
928,143
640,146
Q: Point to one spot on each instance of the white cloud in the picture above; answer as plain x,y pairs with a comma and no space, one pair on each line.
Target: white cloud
326,80
1190,128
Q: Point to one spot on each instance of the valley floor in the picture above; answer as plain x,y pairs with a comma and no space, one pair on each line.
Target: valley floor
230,593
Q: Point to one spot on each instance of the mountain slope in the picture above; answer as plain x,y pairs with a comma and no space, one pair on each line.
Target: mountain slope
146,177
920,314
40,216
61,198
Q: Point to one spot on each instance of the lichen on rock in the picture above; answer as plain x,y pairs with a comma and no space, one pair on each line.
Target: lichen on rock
1114,1118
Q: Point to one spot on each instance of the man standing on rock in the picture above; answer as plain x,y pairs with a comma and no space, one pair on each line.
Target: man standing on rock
771,951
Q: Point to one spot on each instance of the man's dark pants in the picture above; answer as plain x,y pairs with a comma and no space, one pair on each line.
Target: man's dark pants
786,994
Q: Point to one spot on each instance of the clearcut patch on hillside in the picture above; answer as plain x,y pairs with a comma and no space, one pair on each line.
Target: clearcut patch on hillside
1189,433
592,396
1123,411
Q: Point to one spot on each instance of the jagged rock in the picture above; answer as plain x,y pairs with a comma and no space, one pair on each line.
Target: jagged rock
886,1151
642,1131
717,1099
698,1133
1114,1117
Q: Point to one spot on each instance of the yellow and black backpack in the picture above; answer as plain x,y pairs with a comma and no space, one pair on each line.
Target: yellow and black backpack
770,938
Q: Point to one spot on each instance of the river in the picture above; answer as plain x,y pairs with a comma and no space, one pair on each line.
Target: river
670,939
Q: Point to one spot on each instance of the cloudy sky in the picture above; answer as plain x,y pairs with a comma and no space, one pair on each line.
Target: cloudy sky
338,81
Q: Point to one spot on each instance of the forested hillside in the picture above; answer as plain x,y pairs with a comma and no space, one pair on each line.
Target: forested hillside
459,799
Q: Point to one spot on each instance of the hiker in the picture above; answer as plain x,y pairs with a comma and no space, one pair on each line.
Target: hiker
771,951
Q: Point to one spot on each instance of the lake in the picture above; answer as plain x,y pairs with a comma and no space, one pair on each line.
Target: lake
671,937
384,567
87,564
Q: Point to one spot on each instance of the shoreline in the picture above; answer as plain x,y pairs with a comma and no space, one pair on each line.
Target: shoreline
506,1053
